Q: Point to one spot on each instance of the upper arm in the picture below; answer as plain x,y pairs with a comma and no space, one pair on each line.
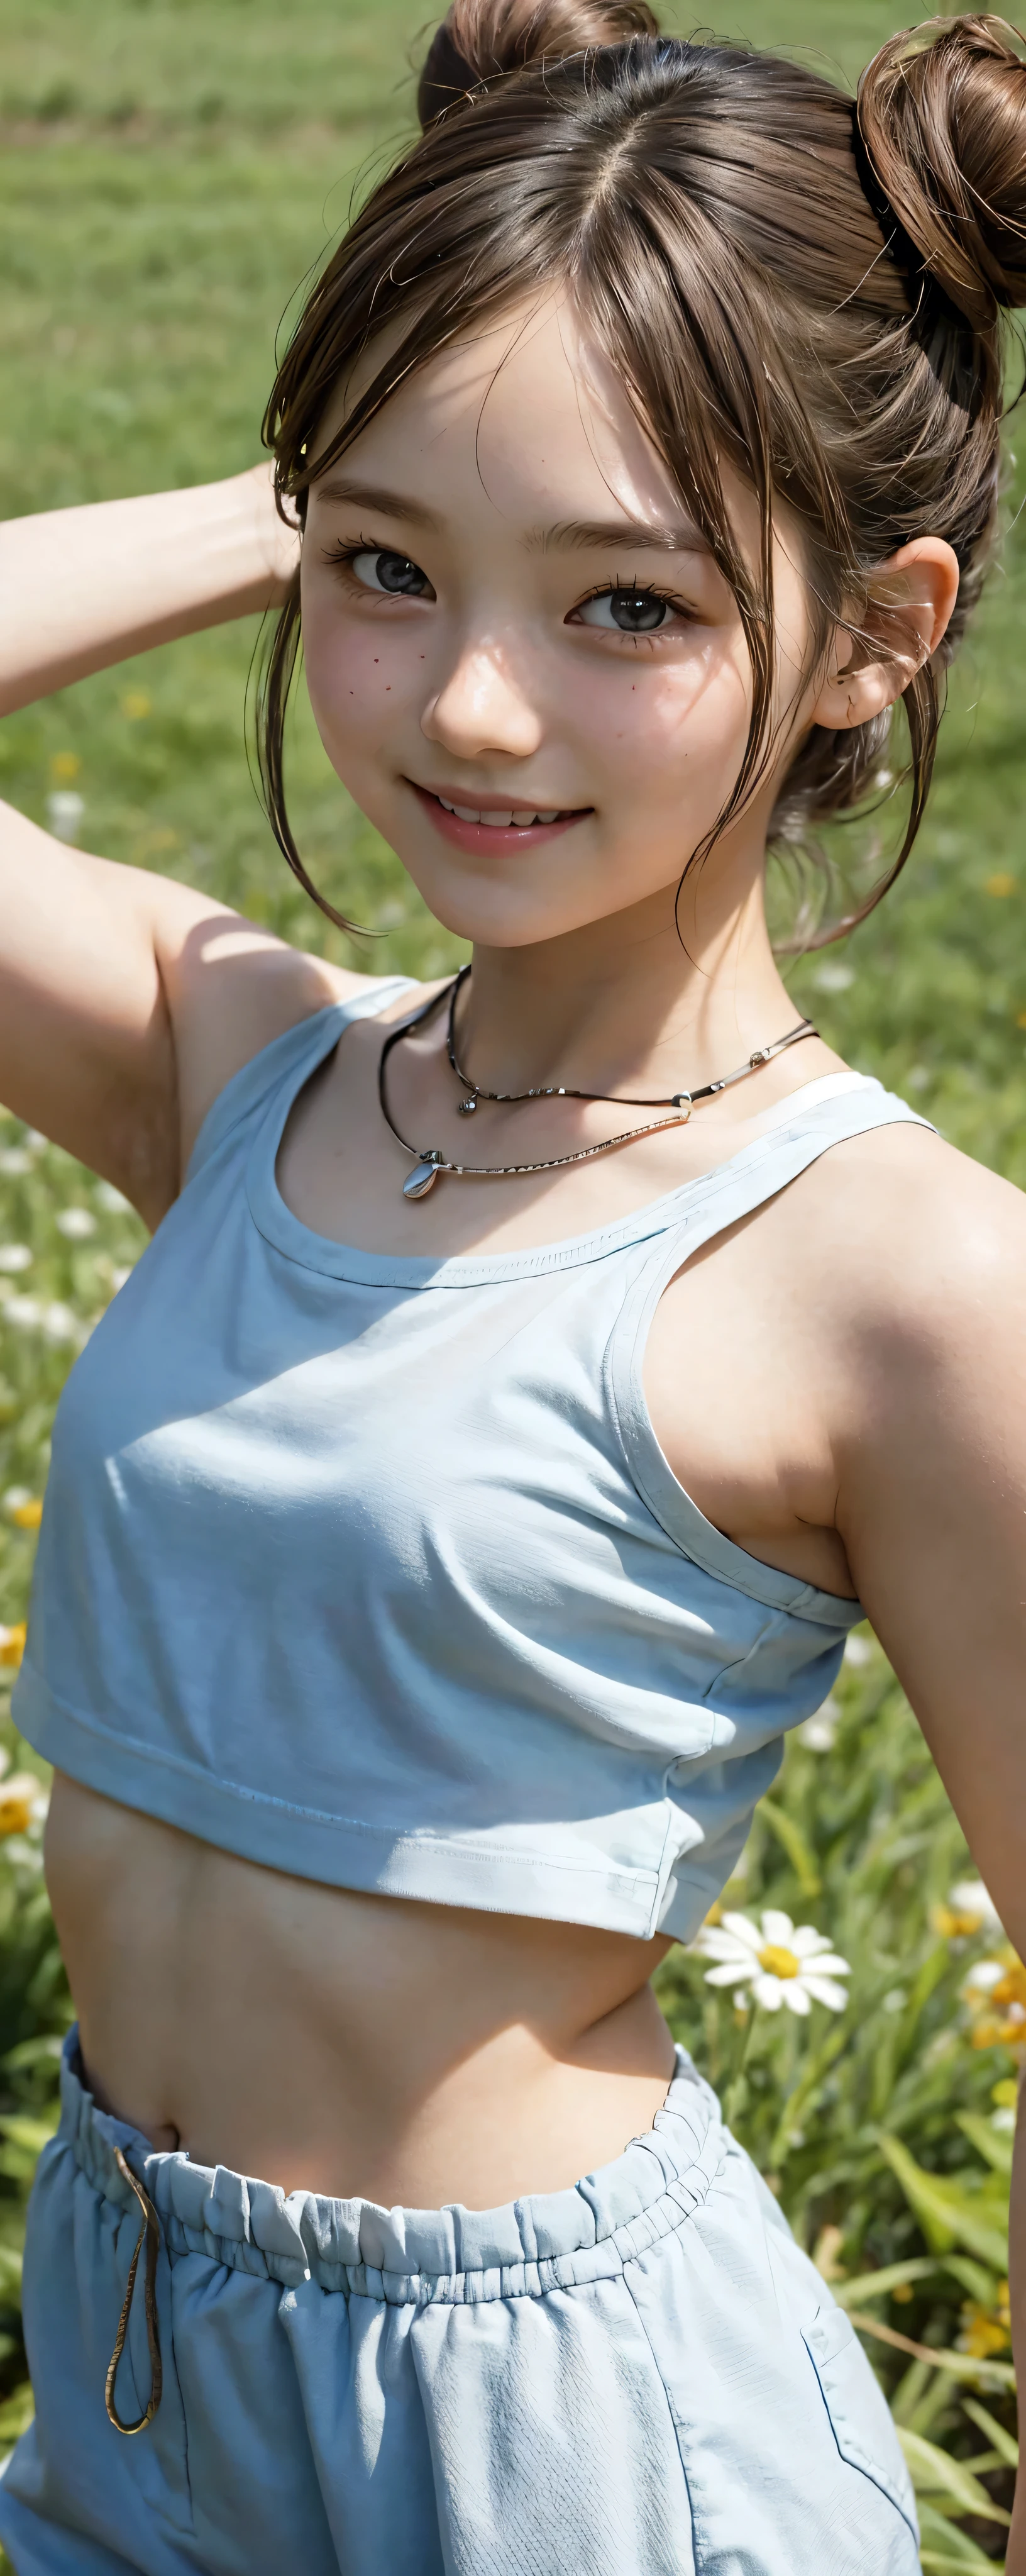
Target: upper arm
127,1001
932,1493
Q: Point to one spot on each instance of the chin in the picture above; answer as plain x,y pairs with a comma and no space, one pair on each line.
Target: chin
496,916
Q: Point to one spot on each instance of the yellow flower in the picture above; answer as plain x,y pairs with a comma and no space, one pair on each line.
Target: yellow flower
135,704
27,1515
1001,883
777,1961
969,1909
64,766
12,1644
986,2331
23,1802
995,1992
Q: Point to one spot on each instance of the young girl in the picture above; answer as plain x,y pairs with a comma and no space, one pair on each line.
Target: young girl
531,1380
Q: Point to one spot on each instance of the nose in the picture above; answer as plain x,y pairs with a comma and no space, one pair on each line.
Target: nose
480,708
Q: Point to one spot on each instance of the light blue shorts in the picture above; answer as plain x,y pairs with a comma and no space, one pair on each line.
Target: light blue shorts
639,2377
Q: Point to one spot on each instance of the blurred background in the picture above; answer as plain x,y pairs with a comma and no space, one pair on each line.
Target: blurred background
171,172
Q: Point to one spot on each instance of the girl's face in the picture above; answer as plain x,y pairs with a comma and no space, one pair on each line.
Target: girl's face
507,612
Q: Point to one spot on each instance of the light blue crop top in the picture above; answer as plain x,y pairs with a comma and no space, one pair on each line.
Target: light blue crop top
373,1570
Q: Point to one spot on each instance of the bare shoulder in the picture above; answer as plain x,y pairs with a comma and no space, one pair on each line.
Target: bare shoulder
231,987
924,1248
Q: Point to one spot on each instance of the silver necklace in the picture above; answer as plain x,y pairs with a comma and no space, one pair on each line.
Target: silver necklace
429,1162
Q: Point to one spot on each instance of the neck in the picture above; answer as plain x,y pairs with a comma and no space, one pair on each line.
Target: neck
638,1000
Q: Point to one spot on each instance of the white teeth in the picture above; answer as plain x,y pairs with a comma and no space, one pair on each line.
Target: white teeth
522,815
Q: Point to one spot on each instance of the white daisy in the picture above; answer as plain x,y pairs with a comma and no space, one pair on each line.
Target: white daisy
783,1963
973,1900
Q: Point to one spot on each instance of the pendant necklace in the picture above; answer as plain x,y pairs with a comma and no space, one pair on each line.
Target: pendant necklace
429,1162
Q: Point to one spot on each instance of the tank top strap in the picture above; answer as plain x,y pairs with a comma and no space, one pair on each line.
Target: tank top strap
290,1058
795,1134
792,1136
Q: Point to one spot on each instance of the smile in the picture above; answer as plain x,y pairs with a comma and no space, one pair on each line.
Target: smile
493,826
502,818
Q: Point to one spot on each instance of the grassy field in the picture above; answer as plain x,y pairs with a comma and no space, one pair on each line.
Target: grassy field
171,170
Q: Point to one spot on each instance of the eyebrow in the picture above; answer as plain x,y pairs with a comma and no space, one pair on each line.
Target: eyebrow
663,537
372,496
668,537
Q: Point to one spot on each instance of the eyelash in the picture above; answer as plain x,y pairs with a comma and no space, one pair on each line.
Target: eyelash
344,554
347,549
637,590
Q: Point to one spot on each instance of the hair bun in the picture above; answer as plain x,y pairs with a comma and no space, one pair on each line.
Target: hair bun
942,116
481,39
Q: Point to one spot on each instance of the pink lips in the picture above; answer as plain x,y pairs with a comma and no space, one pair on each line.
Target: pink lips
497,837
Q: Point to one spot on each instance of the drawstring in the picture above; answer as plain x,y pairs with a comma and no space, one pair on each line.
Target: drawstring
151,2230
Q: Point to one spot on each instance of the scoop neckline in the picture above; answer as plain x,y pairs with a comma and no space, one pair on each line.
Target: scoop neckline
299,1243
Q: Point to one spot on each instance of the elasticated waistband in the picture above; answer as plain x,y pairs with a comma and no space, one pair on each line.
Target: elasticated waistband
551,2240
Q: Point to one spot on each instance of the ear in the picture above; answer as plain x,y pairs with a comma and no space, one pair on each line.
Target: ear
901,620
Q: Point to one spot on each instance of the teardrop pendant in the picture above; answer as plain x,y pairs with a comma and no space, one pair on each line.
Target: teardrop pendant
421,1179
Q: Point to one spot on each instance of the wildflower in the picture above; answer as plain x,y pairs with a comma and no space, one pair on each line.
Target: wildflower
14,1162
135,705
119,1274
64,811
819,1731
76,1223
23,1803
858,1651
15,1256
781,1963
1001,883
60,1323
12,1643
64,767
970,1908
986,2331
113,1200
23,1508
995,1991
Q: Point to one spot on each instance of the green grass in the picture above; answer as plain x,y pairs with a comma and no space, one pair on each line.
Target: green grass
171,170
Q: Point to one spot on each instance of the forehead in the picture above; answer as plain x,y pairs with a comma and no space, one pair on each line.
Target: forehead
525,420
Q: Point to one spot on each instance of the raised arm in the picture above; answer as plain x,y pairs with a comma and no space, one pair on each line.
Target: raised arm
80,589
127,1000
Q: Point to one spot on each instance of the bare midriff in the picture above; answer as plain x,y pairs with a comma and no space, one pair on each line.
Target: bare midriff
354,2045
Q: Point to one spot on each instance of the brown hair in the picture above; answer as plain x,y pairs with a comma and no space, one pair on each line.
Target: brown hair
807,286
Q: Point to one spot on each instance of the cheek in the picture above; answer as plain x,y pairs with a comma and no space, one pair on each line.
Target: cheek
658,726
359,678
